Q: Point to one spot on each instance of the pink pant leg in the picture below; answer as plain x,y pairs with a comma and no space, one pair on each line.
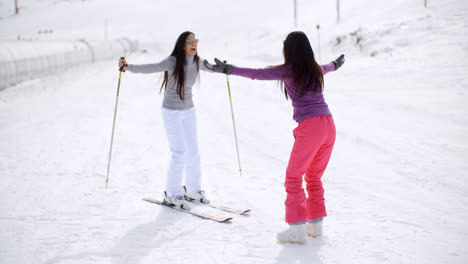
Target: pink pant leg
295,196
315,192
314,138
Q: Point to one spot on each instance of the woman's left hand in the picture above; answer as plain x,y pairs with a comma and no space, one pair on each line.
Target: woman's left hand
339,61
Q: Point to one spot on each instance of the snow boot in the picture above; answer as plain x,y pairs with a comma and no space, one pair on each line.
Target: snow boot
177,201
314,229
295,234
196,196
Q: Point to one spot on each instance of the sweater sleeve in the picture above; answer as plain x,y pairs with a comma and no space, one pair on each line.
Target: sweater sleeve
202,65
165,65
326,68
276,73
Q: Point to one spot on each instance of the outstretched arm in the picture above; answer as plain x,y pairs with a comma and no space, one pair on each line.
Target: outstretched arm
165,65
274,73
334,65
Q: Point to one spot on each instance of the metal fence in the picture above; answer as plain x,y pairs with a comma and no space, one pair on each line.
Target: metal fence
27,60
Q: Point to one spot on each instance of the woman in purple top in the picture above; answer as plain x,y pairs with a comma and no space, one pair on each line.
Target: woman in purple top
302,80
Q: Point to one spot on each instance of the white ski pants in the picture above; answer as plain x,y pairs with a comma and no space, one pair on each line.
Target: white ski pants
181,130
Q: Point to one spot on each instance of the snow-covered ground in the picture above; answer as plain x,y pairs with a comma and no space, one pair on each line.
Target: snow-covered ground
396,187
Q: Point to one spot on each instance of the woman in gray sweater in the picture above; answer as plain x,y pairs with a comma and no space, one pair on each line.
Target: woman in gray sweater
181,70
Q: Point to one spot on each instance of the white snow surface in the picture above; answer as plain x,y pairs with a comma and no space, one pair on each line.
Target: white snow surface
396,187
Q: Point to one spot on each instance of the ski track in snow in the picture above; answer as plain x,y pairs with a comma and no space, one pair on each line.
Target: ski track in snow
395,187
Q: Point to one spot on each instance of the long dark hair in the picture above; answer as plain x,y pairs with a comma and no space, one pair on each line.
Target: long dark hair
179,71
307,74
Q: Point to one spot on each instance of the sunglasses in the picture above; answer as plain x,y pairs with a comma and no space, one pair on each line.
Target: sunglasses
192,41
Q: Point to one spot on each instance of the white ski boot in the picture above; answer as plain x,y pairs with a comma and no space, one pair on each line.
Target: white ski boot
295,234
197,196
178,201
314,229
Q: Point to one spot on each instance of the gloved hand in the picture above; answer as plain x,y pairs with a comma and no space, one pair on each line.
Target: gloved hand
221,67
339,61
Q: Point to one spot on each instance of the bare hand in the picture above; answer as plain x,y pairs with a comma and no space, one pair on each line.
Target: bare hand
123,63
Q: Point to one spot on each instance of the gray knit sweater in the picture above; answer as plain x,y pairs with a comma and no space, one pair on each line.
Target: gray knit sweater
171,98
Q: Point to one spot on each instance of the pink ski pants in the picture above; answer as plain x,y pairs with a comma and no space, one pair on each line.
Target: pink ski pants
313,145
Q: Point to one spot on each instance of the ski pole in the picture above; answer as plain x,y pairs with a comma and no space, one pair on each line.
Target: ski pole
113,123
234,124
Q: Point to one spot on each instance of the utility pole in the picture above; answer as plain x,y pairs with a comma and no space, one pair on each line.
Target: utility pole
105,29
425,3
318,38
338,10
295,13
16,7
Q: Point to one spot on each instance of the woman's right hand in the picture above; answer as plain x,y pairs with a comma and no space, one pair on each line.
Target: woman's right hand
123,64
221,67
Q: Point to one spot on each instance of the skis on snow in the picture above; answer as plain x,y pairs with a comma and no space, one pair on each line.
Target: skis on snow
224,208
219,219
202,215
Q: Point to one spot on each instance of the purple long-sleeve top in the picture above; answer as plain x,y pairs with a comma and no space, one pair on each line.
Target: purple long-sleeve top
308,105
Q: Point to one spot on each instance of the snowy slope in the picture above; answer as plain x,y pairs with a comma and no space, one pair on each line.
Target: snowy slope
396,186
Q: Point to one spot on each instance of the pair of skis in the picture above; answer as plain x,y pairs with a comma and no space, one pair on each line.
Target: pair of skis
203,215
